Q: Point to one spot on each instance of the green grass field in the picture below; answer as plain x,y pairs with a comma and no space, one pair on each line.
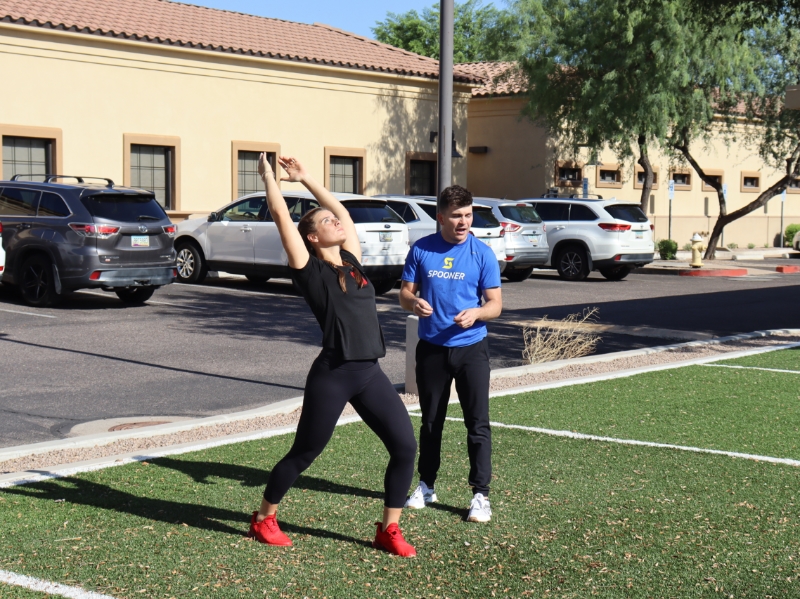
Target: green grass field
572,518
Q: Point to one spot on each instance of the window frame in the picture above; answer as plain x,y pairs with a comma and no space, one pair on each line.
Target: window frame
617,184
341,152
421,157
712,172
656,177
748,174
251,146
53,135
130,139
559,182
681,186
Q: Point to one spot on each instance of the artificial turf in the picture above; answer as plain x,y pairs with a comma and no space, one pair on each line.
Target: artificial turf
571,519
786,359
749,411
14,592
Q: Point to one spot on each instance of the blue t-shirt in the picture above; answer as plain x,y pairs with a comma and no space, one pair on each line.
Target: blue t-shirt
451,278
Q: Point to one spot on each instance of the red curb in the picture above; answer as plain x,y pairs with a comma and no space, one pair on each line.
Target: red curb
731,272
787,269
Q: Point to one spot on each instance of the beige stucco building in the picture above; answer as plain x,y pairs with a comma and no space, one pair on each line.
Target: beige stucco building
511,157
179,99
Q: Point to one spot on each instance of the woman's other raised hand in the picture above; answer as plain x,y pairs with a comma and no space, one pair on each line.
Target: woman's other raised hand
264,167
296,172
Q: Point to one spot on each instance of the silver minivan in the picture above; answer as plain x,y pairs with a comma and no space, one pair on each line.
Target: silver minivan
241,238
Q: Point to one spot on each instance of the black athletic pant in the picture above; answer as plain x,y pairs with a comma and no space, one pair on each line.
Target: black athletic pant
331,383
437,366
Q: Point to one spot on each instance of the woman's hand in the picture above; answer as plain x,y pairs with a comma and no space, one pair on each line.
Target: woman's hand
264,167
296,171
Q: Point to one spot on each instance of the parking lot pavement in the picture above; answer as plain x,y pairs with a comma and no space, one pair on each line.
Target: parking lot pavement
229,345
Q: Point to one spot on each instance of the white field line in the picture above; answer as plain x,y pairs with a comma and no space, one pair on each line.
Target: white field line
750,368
27,313
51,588
584,437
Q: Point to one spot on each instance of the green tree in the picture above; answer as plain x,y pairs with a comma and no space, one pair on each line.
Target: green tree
481,33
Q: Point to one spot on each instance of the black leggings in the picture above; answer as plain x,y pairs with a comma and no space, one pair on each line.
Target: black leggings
331,383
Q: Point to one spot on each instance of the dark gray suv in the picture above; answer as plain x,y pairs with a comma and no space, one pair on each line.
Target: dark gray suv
59,237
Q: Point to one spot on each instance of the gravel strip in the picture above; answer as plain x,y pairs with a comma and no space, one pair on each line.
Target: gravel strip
68,456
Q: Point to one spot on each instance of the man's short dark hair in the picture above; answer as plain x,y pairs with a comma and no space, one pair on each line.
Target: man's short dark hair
454,196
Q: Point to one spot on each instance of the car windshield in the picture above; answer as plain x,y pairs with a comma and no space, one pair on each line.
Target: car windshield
372,212
484,219
627,212
520,213
430,209
124,207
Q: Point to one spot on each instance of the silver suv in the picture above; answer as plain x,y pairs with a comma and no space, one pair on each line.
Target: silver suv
584,235
59,237
241,238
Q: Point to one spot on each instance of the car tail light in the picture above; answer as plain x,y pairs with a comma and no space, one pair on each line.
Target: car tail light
614,227
95,275
92,230
1,268
170,230
1,228
652,227
502,232
510,227
509,258
544,227
174,273
617,258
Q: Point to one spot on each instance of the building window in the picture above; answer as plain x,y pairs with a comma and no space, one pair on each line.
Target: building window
682,180
751,182
344,174
639,181
609,175
717,176
152,169
248,178
422,178
30,157
569,174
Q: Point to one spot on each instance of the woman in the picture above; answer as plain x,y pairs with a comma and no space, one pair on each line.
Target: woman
324,258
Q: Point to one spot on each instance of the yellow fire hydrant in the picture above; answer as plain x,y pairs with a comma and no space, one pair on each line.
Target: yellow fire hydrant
697,249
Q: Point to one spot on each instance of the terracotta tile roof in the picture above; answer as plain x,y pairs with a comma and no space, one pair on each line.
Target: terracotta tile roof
499,78
172,23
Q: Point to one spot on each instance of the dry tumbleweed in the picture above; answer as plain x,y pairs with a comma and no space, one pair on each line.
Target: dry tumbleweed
551,340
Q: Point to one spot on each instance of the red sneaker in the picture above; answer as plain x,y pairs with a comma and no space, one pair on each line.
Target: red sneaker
267,531
392,540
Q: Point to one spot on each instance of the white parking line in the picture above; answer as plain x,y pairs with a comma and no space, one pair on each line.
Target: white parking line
750,368
235,291
51,588
27,313
108,295
584,437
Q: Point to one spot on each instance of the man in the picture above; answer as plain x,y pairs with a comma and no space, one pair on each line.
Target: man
453,271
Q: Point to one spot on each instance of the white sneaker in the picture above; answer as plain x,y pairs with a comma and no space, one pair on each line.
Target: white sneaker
421,497
480,510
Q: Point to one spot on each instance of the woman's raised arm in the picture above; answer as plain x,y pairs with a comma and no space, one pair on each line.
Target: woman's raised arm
297,174
290,236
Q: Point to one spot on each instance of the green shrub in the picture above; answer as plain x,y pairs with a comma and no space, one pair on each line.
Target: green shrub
788,237
751,246
733,246
667,248
687,247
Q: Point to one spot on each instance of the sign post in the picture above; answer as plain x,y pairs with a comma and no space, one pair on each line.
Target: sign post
671,189
585,187
724,195
781,242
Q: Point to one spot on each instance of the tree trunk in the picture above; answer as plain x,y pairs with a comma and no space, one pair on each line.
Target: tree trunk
724,219
644,162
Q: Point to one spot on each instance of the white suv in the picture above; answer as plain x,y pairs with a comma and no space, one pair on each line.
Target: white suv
241,238
611,236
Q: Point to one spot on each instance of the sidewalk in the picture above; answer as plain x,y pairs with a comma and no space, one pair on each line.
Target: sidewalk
729,263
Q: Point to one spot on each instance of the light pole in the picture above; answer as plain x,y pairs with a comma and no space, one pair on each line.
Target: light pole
445,137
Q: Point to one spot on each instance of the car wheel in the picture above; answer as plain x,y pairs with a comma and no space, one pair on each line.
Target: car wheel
191,266
257,279
515,275
572,264
383,286
37,282
135,295
615,273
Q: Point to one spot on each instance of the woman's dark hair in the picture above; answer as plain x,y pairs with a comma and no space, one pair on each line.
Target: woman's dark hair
454,196
306,227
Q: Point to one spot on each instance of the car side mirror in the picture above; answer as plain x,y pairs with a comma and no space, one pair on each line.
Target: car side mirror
212,218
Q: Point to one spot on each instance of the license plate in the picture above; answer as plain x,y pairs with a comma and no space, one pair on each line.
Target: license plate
533,239
140,241
639,234
385,237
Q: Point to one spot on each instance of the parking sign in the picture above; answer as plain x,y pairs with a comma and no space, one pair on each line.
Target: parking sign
671,188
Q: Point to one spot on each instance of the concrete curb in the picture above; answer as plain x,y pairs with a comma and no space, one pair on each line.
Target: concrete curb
289,405
690,272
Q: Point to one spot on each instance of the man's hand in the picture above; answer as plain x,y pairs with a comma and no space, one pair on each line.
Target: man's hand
422,308
466,318
295,170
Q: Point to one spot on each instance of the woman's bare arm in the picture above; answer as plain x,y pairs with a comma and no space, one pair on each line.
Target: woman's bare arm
290,236
298,174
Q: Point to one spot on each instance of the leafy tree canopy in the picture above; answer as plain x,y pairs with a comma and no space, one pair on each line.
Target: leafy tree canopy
481,33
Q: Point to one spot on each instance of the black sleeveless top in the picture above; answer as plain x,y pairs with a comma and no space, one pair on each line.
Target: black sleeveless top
349,321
